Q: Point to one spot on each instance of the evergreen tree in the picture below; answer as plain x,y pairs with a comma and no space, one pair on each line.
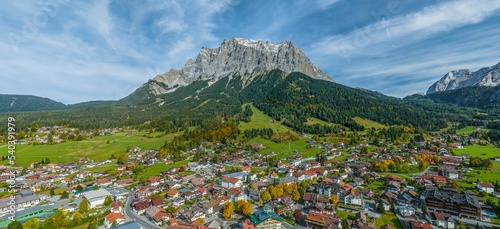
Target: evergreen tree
15,225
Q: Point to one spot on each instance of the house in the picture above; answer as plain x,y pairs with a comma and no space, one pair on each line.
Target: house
319,220
440,219
177,202
352,197
230,182
418,225
406,210
156,214
116,206
172,193
113,218
266,219
124,182
247,224
485,187
463,204
448,171
236,194
140,207
393,186
210,207
157,202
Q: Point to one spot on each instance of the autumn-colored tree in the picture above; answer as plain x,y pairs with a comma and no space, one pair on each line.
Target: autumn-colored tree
84,206
201,220
77,218
260,201
32,223
227,209
240,204
297,214
295,195
334,199
247,208
265,195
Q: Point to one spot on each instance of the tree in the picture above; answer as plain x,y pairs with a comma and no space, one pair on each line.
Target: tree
58,218
380,206
456,185
108,201
65,195
32,223
345,224
424,207
47,160
297,214
334,200
49,223
240,204
260,201
84,206
52,192
77,218
295,195
15,225
247,208
265,195
227,209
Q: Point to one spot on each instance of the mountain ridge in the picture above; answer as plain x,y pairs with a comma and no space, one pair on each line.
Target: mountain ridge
456,79
244,57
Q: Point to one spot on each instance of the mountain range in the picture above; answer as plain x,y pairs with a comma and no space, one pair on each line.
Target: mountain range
278,79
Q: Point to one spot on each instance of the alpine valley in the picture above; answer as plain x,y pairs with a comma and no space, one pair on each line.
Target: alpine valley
278,79
253,134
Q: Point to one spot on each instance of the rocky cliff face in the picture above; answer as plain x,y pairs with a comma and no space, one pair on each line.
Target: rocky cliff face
488,76
247,58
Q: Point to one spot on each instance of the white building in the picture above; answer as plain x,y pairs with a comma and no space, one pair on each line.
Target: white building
485,186
96,197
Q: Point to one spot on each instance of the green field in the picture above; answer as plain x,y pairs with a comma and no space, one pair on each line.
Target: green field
313,121
479,151
467,130
95,148
368,124
344,215
260,120
159,167
389,218
490,175
285,149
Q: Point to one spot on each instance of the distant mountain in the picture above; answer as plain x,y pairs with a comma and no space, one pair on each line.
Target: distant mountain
488,76
17,103
236,56
474,96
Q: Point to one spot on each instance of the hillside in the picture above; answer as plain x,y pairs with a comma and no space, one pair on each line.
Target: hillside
18,103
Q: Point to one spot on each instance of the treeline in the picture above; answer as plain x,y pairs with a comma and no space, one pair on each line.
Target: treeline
297,97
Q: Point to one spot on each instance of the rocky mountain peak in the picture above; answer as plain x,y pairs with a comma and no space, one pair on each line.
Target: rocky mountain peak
487,76
244,57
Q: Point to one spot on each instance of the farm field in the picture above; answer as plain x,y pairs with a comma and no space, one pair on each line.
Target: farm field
467,130
479,151
284,150
95,148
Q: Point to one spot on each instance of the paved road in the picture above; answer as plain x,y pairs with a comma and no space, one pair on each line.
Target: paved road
145,223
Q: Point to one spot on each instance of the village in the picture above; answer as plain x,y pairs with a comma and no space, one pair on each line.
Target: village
427,185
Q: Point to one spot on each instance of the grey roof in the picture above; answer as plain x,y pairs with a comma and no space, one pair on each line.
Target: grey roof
96,194
31,210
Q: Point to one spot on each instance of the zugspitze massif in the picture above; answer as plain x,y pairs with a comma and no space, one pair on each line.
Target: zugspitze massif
238,56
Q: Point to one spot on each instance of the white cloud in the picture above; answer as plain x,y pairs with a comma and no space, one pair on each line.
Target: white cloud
385,35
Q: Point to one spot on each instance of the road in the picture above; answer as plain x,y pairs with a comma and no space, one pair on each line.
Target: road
145,223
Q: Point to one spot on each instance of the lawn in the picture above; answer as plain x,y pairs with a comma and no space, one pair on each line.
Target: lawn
389,218
490,175
368,124
479,151
467,130
313,121
286,149
260,120
96,148
156,169
344,215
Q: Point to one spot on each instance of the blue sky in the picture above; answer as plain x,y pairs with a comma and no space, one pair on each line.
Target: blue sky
75,51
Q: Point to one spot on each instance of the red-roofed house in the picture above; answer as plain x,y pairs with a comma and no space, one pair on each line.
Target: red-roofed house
113,217
486,187
230,182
